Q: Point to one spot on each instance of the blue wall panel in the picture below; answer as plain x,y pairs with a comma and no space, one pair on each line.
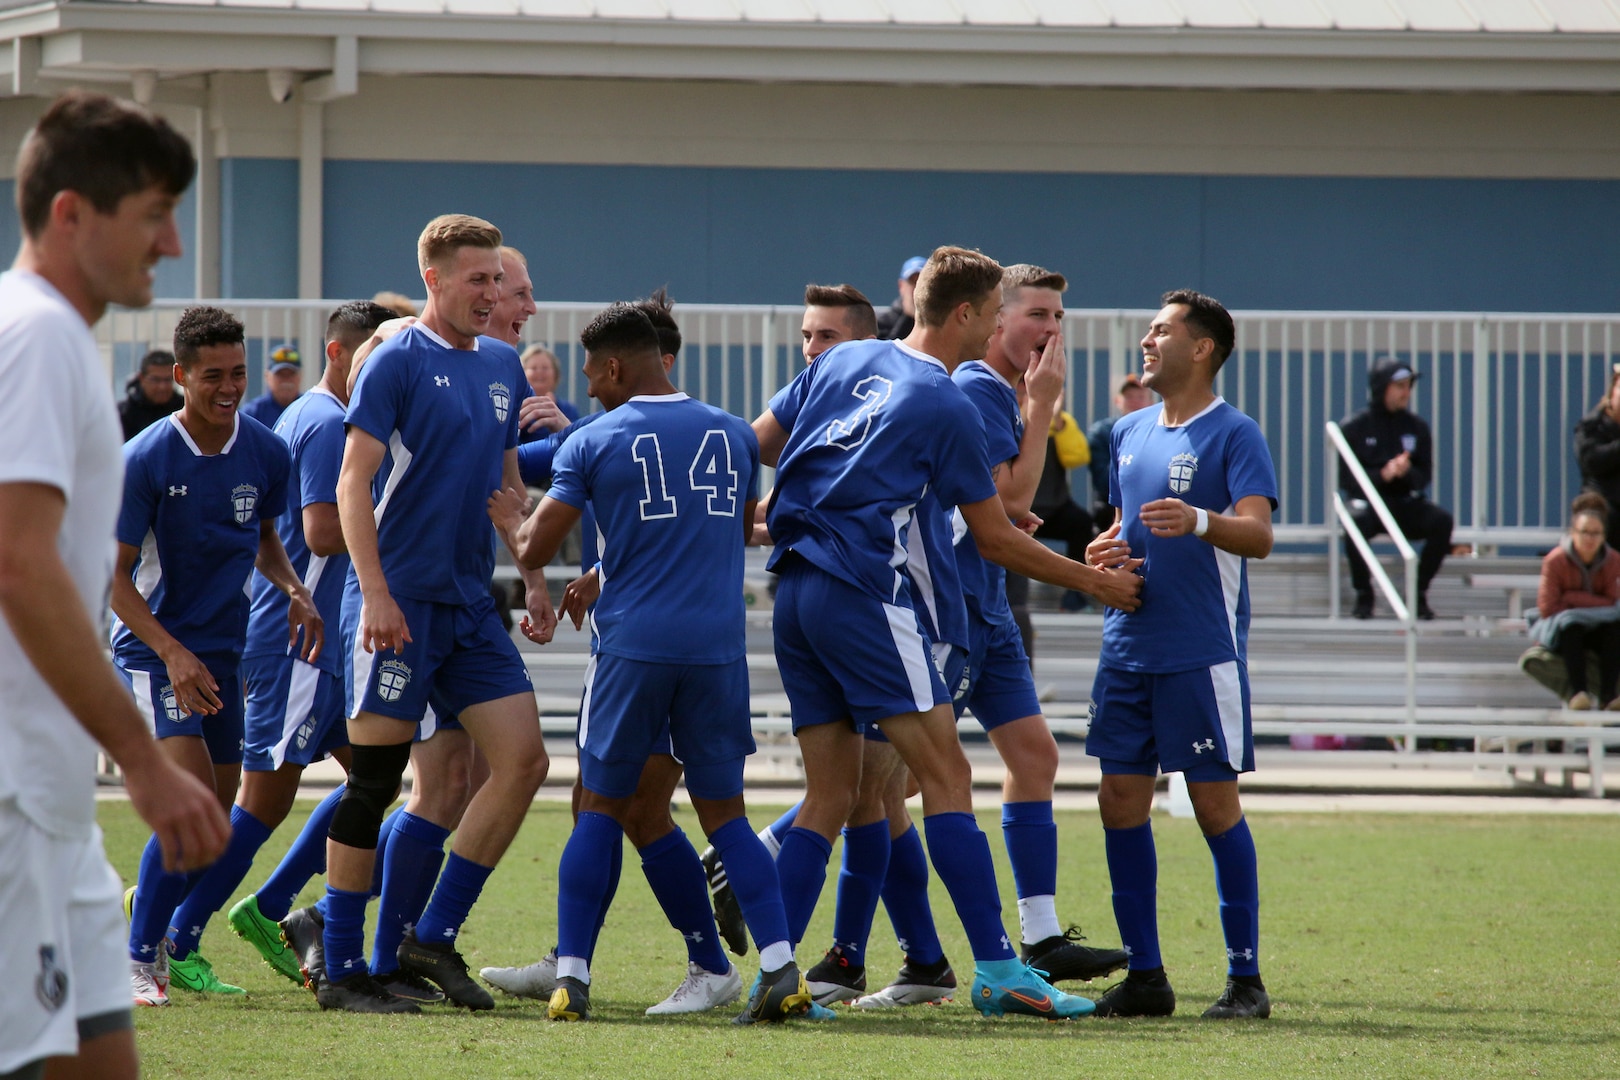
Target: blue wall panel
10,228
258,217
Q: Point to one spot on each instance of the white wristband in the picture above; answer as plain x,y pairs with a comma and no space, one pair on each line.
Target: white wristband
1201,526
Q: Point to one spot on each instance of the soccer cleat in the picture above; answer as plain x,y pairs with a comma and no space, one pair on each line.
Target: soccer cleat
443,965
700,991
835,979
1138,997
917,984
410,986
360,993
1026,993
1061,958
265,936
728,914
570,1001
304,931
149,983
129,904
536,980
196,974
779,995
1240,1001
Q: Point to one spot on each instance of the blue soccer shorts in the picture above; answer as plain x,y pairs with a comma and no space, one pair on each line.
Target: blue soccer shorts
1001,688
294,713
1193,722
459,656
154,697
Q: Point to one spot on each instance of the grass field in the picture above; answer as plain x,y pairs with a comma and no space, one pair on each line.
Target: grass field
1398,946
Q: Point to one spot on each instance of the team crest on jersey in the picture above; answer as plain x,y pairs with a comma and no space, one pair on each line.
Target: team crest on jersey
170,706
305,730
244,497
1182,469
51,984
393,676
501,395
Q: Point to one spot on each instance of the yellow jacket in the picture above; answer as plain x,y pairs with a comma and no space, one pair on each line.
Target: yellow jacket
1070,442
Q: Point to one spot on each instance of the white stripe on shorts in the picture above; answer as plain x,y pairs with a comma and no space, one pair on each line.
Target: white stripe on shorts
360,672
585,702
913,654
300,706
1229,703
141,687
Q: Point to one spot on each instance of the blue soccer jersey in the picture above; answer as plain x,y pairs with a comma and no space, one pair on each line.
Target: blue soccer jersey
669,478
1195,597
312,428
875,427
984,582
195,518
456,411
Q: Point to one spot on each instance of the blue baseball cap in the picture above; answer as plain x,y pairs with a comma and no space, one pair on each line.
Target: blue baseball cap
913,266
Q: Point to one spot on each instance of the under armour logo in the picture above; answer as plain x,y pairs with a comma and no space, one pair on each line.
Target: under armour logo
145,949
1126,459
1005,944
695,937
181,490
1240,954
1200,747
441,380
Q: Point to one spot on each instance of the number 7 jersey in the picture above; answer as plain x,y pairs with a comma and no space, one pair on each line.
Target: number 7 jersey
669,479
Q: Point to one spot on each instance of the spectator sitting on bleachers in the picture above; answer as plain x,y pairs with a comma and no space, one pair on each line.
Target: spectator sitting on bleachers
1132,395
1580,588
1597,451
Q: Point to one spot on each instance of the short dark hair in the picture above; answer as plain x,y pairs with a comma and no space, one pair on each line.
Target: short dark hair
1206,318
162,358
954,276
659,311
102,148
200,327
353,322
1030,276
859,317
623,330
1589,502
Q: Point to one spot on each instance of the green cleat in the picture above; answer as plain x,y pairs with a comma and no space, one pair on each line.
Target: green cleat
196,974
129,904
265,936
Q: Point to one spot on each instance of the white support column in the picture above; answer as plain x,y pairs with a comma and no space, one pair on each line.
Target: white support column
207,187
311,198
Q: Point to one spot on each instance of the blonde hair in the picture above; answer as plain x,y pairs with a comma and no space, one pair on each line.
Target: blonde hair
510,252
954,276
449,233
398,303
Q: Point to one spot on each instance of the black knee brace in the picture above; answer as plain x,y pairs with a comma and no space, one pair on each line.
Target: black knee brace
374,776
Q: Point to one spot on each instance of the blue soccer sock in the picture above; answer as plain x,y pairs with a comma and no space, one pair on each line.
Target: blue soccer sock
615,869
860,880
219,881
305,859
1237,883
682,889
1133,867
157,894
1032,848
344,938
905,896
458,891
582,881
754,881
801,870
385,834
962,860
410,866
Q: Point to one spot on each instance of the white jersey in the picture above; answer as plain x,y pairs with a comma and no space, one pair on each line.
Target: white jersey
58,427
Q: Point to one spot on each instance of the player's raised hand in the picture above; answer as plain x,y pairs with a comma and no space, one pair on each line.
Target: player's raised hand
301,615
580,594
1119,586
1048,369
382,625
183,813
1108,549
541,411
1029,523
507,509
1169,517
195,690
540,624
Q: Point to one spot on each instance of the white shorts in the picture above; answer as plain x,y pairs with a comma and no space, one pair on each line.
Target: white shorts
63,949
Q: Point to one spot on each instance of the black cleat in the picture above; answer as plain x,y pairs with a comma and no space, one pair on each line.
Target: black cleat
1063,958
360,993
1240,1001
1364,606
410,986
777,995
917,984
304,931
1138,997
443,965
728,914
835,979
570,1001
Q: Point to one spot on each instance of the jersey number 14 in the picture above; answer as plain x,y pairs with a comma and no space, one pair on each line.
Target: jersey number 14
711,473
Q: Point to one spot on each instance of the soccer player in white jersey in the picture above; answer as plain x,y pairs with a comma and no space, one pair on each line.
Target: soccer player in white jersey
673,483
440,401
202,491
97,182
868,439
1193,488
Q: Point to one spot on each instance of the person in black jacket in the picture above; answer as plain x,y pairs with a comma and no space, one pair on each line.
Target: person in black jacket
896,320
1394,447
150,394
1597,451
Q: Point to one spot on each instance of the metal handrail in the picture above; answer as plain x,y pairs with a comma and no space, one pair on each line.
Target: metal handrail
1405,607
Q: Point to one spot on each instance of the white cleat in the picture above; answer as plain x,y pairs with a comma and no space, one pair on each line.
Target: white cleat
150,983
700,991
537,980
900,994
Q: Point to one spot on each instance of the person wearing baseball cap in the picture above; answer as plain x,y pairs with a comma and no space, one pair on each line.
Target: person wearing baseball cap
896,320
1394,447
284,381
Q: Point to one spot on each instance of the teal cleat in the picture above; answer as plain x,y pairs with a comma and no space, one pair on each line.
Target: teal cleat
265,937
778,996
819,1013
1022,990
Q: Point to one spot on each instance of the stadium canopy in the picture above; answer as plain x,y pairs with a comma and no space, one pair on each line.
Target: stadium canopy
324,46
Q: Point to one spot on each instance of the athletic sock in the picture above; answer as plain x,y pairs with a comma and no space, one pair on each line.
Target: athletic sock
860,881
344,938
157,894
1032,848
305,859
962,860
1133,868
458,891
219,881
410,866
615,870
582,881
801,870
755,885
905,897
774,833
385,833
682,889
1237,883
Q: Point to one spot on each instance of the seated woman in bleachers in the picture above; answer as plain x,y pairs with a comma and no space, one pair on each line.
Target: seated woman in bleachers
1580,588
1597,452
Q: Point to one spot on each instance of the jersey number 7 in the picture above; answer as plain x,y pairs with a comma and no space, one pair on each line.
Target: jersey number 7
710,473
